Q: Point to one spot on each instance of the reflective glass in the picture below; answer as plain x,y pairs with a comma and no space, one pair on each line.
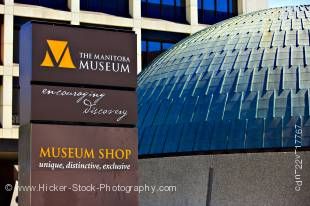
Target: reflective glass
159,140
209,5
167,45
188,137
237,135
168,2
213,11
204,135
221,6
154,46
172,141
115,7
273,133
171,10
55,4
144,46
222,91
219,137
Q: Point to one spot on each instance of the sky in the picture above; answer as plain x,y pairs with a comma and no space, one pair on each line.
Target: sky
276,3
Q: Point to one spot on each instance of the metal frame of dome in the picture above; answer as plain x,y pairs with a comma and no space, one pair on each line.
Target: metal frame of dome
238,85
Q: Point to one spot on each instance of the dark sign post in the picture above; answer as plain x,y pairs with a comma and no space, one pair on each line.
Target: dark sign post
78,141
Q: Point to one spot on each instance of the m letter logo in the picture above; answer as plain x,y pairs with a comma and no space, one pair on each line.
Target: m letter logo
58,55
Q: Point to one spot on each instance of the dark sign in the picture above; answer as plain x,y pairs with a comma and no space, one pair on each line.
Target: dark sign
83,171
74,104
74,55
77,76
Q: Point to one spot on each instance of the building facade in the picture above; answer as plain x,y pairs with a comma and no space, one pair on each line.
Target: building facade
224,114
159,24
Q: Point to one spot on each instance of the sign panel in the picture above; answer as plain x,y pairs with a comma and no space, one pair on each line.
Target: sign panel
74,104
61,71
75,55
83,171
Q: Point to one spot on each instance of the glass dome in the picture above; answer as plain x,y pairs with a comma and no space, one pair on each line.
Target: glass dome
241,84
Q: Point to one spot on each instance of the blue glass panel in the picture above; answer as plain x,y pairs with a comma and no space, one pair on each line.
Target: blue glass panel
189,86
159,140
248,107
204,135
217,107
231,6
144,8
232,107
146,141
173,138
209,5
154,1
216,81
148,92
282,104
55,4
172,10
273,133
222,10
174,112
115,7
306,142
157,91
162,112
168,2
188,110
202,84
153,9
221,6
255,130
200,4
237,135
168,12
154,46
188,137
180,3
140,134
167,45
178,87
168,9
91,5
265,104
144,46
219,138
165,93
180,12
213,11
201,109
143,111
151,114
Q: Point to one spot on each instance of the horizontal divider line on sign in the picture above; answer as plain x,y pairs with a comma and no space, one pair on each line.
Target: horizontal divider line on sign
82,124
82,86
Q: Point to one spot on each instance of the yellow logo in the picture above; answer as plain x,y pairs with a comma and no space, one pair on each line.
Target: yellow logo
60,53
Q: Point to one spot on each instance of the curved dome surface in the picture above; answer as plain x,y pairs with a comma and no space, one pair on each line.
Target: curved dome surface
240,84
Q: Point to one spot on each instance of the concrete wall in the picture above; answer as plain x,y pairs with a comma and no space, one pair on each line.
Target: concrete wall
256,179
